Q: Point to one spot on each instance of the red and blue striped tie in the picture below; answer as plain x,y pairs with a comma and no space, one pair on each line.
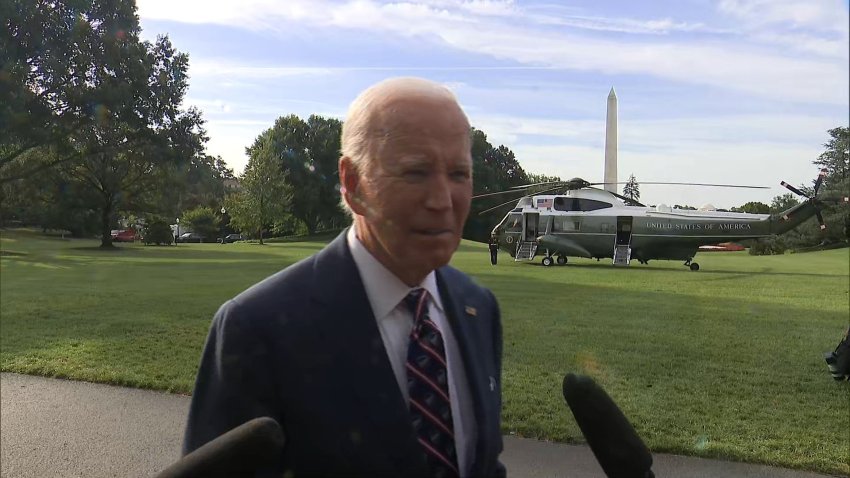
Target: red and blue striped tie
428,385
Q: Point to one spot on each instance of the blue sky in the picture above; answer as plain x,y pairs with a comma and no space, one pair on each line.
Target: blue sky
727,91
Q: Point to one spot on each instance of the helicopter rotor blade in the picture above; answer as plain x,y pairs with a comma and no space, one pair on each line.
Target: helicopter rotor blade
526,186
820,219
496,193
512,200
624,198
700,184
496,207
819,181
793,189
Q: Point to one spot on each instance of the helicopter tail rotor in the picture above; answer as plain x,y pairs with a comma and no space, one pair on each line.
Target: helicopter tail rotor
819,181
794,190
820,220
813,199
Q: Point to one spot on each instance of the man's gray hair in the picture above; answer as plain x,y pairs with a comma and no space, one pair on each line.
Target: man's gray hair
363,124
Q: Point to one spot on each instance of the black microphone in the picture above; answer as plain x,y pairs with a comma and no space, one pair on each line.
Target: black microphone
616,445
250,447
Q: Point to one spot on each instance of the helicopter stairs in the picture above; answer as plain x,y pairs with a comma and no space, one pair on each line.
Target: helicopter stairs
525,251
622,254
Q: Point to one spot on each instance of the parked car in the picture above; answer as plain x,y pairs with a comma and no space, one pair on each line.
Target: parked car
127,235
191,237
230,238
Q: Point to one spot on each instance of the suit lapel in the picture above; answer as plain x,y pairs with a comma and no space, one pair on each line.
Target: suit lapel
462,319
348,325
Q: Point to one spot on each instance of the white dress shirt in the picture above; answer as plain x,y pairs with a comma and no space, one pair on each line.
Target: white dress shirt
386,293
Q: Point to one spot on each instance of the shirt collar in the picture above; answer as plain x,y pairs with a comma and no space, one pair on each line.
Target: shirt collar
384,290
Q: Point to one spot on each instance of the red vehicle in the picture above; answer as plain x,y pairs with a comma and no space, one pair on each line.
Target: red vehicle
127,235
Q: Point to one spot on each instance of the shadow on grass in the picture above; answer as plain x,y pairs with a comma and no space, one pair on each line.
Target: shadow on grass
12,254
685,270
104,250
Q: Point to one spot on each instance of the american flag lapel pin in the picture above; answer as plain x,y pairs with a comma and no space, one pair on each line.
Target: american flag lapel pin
471,311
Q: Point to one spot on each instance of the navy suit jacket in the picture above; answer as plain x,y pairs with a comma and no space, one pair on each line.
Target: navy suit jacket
303,347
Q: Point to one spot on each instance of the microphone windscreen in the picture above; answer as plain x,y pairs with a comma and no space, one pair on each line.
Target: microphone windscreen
252,446
613,440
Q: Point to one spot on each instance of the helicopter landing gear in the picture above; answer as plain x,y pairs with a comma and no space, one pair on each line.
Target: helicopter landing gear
562,260
694,266
547,261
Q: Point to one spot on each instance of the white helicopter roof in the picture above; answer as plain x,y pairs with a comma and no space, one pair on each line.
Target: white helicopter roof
546,202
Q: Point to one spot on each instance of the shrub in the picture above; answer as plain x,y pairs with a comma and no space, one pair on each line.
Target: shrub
159,233
774,245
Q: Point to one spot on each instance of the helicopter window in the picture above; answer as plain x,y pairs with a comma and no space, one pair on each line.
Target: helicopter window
591,205
513,223
564,204
565,224
579,204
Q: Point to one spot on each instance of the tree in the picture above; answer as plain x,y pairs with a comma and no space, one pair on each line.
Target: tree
308,152
493,170
86,95
200,182
47,48
264,195
753,207
631,189
836,158
50,201
783,202
534,178
202,220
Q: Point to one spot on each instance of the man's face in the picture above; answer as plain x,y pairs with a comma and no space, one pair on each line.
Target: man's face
415,196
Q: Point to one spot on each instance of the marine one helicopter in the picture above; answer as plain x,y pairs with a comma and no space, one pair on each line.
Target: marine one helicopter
584,221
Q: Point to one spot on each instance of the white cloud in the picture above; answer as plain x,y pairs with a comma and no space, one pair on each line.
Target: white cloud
727,64
625,25
820,27
814,14
208,106
230,69
490,7
806,43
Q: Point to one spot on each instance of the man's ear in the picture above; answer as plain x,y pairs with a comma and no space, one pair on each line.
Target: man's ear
349,180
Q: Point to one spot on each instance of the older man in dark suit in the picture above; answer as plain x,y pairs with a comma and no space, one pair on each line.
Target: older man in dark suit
375,356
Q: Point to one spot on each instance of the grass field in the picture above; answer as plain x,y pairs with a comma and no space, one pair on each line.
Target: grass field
725,362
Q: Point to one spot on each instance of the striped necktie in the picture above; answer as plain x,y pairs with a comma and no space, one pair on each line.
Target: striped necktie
428,386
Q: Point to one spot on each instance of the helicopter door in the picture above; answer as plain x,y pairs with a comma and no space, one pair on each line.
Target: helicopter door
527,247
530,223
622,246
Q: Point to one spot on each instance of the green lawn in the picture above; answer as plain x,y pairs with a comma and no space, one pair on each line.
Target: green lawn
725,362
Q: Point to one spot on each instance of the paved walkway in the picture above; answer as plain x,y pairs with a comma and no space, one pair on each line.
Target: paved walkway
60,428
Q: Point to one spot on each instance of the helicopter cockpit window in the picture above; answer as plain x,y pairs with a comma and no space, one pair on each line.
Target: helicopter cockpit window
513,223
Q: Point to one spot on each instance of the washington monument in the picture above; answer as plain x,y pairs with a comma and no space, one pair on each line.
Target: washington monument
611,144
